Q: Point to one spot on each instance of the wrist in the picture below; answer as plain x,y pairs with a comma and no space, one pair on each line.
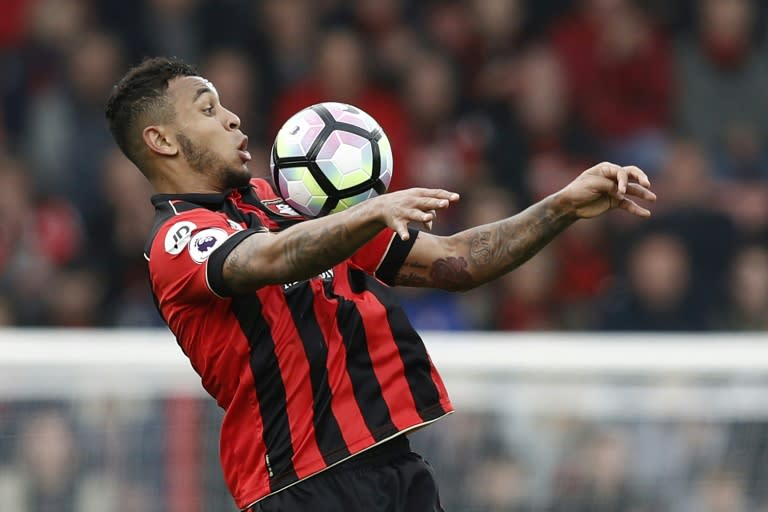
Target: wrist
369,213
561,207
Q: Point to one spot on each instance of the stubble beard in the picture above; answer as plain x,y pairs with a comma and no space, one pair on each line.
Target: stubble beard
205,162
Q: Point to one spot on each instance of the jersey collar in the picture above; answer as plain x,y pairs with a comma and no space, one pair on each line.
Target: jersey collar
213,199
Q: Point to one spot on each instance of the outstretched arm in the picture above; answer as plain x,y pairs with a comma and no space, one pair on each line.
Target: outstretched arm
308,248
478,255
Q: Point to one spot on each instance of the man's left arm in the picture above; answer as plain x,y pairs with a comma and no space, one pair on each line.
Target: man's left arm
477,255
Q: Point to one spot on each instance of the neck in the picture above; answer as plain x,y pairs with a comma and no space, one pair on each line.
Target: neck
183,181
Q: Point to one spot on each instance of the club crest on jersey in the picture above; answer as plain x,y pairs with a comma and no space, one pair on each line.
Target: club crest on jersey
205,242
280,207
178,236
234,225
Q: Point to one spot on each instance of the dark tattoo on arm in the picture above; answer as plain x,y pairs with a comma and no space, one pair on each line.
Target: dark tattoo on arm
497,248
451,273
315,252
412,274
478,255
411,279
480,248
299,253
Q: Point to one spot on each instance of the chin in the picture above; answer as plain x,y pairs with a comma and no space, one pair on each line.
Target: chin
237,177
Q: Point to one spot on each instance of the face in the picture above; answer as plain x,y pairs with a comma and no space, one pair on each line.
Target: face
207,134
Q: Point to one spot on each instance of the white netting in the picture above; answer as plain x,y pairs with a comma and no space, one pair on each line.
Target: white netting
116,420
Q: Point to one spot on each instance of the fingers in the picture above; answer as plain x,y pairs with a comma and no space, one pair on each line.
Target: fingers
418,205
634,208
637,190
428,224
438,193
636,174
401,228
400,223
623,175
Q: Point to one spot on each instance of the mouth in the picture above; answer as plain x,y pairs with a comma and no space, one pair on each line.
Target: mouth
242,149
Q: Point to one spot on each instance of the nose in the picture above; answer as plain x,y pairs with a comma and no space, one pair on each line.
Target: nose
233,122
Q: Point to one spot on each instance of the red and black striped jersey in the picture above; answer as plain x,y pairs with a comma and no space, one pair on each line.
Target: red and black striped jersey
309,373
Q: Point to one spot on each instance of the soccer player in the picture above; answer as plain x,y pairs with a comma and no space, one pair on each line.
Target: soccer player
291,323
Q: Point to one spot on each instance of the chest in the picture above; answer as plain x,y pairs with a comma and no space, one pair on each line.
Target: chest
251,211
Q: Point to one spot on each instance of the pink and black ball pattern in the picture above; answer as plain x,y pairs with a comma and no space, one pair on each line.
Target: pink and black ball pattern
329,157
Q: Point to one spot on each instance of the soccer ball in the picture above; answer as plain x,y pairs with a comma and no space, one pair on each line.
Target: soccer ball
328,157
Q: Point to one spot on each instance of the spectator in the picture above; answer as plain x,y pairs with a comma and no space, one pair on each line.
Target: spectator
438,156
619,69
723,67
289,36
748,290
536,144
693,214
119,256
585,273
68,118
47,474
498,27
526,301
721,490
172,27
38,234
597,478
500,485
658,291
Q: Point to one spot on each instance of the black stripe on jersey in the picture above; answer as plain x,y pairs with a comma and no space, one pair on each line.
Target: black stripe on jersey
327,431
281,221
413,353
396,254
215,266
270,391
360,368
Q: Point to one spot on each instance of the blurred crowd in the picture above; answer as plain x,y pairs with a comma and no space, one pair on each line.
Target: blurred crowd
503,101
161,456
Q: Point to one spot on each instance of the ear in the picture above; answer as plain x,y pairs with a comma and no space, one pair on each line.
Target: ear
160,141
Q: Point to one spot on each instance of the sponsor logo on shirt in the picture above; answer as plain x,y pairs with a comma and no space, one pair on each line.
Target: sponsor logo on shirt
178,236
326,275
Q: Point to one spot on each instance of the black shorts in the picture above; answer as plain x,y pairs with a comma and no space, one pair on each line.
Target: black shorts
386,478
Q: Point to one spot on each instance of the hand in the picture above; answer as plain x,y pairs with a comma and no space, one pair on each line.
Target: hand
607,186
397,209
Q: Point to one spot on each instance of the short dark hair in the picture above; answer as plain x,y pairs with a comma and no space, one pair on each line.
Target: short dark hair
139,94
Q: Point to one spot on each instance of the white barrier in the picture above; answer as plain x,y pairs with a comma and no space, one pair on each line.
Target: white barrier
725,375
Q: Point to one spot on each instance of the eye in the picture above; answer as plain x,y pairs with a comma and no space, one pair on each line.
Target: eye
208,110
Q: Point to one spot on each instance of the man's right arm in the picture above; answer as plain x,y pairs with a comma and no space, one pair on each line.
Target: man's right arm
309,248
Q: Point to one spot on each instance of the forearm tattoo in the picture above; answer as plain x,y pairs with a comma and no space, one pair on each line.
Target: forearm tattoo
497,248
300,254
316,251
451,272
481,254
412,274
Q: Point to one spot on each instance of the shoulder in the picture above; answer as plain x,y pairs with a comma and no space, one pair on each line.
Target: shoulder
175,223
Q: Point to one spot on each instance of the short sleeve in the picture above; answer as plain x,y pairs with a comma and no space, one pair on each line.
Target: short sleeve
384,254
188,253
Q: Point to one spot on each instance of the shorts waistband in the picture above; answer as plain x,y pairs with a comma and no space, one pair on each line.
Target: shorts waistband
378,454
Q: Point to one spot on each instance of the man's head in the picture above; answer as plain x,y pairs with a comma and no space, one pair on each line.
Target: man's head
169,121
